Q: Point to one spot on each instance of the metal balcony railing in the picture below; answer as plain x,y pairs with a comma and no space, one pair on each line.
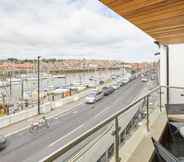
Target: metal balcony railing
113,118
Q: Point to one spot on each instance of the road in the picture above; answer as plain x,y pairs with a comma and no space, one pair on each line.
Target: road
25,147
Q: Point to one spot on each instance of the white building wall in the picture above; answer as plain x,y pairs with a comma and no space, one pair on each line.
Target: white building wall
176,68
176,72
176,53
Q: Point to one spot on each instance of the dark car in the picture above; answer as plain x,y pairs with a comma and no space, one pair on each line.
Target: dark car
108,90
3,142
101,82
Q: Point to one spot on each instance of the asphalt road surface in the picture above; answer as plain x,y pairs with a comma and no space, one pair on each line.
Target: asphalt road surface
25,147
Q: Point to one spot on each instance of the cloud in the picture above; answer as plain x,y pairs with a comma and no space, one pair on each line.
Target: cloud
70,29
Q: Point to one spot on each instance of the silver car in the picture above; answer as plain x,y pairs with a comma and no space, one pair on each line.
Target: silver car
94,97
116,86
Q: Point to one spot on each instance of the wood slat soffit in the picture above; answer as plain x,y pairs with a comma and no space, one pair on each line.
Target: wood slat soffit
161,19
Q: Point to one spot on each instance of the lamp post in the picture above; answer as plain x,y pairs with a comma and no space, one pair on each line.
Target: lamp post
10,77
123,70
38,64
22,93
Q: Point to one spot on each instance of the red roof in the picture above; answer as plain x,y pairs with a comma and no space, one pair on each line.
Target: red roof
16,66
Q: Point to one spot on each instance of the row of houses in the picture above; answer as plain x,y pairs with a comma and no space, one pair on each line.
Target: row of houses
71,64
14,66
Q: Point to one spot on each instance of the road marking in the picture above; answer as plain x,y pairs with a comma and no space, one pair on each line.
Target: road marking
75,112
58,140
61,114
64,113
55,116
15,132
109,107
102,112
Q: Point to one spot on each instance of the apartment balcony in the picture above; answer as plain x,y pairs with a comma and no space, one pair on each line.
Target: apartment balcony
141,131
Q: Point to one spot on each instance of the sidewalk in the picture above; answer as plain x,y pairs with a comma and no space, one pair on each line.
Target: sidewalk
60,107
24,124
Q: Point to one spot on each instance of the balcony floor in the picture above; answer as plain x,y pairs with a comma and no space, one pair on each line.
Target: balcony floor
132,150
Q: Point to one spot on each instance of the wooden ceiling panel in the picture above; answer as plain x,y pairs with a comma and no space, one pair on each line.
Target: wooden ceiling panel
161,19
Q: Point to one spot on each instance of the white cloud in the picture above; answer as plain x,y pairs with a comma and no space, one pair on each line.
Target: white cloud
68,28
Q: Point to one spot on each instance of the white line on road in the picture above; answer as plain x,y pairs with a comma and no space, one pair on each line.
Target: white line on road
68,111
100,113
75,112
109,107
18,131
58,140
55,116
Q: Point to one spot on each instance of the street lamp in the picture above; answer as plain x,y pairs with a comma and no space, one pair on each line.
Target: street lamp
38,64
22,93
123,69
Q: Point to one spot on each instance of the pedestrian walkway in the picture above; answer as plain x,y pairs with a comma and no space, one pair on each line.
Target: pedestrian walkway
22,125
62,108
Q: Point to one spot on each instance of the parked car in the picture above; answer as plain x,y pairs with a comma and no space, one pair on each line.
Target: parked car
120,82
101,82
125,80
3,142
113,77
108,90
92,85
115,86
94,97
144,79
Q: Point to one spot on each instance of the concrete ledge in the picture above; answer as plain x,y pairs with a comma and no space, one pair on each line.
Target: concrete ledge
17,117
176,118
145,149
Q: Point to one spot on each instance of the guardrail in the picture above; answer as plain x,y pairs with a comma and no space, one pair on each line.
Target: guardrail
114,117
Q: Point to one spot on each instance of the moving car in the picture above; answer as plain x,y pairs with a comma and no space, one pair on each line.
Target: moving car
3,142
94,97
108,90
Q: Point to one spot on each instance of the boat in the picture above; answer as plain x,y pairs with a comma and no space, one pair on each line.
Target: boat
59,76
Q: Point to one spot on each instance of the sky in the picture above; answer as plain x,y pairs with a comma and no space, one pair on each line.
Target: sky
69,29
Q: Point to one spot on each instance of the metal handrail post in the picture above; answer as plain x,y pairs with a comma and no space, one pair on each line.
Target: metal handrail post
147,113
117,159
160,99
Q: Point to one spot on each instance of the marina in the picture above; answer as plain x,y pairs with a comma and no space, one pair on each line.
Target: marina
21,92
